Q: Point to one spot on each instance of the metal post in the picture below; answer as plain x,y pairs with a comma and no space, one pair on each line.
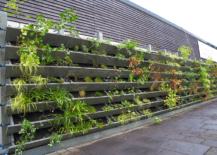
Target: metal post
99,36
149,46
3,118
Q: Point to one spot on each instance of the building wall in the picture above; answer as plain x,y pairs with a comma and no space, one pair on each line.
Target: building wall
116,19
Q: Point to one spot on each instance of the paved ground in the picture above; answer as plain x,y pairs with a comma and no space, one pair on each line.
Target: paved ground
190,133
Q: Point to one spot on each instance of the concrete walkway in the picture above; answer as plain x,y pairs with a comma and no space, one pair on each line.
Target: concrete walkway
190,133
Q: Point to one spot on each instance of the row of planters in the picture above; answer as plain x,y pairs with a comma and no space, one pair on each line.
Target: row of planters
61,86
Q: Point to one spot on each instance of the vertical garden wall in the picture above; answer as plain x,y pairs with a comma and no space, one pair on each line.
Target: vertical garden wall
57,87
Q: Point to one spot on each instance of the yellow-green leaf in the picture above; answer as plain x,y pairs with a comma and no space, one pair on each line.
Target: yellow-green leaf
28,17
21,2
8,14
5,9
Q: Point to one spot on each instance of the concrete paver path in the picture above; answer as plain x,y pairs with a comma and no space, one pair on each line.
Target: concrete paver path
190,133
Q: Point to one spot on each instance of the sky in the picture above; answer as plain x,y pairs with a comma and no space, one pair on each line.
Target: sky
195,16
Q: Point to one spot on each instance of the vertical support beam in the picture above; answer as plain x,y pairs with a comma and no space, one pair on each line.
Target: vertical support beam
149,46
99,36
3,118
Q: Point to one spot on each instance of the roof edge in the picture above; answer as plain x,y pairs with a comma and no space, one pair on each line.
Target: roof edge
165,20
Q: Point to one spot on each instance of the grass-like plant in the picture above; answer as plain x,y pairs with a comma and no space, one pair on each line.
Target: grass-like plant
18,84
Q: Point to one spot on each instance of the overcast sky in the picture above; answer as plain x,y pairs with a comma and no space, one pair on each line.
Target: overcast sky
196,16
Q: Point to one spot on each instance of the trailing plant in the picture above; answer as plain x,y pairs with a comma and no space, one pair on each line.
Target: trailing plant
27,133
12,5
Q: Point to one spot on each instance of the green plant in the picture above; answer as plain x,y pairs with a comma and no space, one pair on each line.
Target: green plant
126,104
84,49
130,79
130,45
102,53
76,48
12,5
173,64
87,79
120,56
55,138
18,84
138,101
26,134
157,120
107,108
146,101
148,113
104,66
189,74
204,78
98,94
185,51
110,122
126,117
171,99
82,93
122,93
98,79
120,46
163,86
131,91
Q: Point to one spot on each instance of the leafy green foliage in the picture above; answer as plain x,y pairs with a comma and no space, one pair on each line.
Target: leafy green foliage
148,113
157,120
98,79
185,51
171,99
107,108
87,79
26,133
126,117
98,94
120,56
